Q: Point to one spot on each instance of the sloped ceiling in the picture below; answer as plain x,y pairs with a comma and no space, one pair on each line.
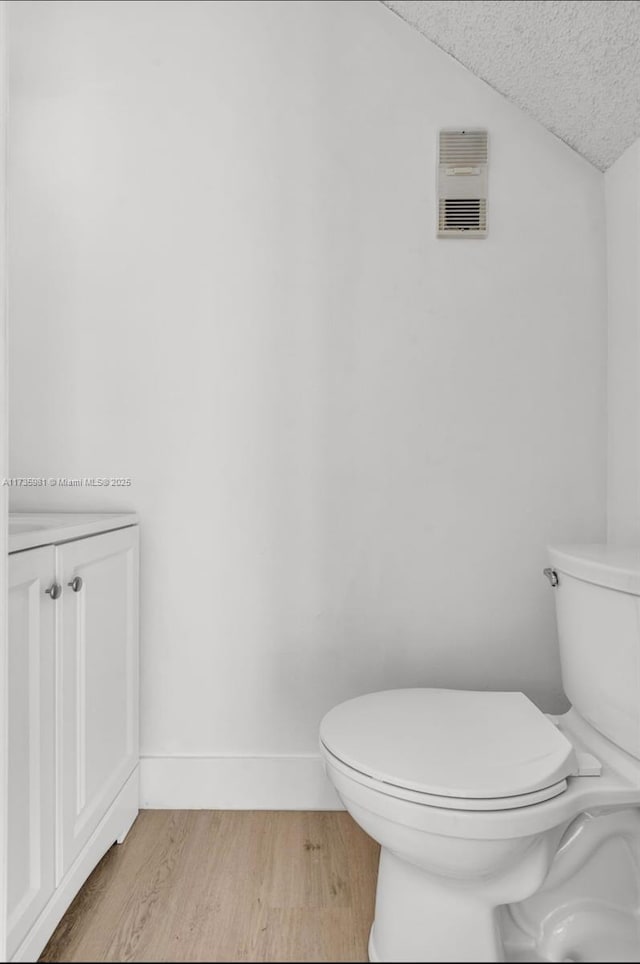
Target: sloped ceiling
574,65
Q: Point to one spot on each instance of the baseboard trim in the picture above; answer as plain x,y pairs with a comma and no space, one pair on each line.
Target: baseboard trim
235,783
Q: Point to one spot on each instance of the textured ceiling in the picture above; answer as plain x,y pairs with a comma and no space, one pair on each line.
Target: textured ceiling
574,65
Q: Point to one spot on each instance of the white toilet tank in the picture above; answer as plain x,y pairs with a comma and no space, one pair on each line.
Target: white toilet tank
598,614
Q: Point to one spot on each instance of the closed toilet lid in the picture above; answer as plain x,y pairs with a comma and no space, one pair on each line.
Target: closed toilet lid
450,743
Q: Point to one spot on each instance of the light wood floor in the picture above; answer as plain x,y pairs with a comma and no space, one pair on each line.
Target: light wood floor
201,885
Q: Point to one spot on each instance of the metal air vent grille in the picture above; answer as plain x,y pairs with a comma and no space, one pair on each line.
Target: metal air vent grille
462,214
462,183
463,147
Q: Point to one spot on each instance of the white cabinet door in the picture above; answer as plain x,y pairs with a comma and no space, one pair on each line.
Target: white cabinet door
99,685
31,735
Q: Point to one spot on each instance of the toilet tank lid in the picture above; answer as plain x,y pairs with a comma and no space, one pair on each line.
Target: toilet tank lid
614,567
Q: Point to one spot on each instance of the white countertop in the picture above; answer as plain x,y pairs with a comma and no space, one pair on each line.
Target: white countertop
30,529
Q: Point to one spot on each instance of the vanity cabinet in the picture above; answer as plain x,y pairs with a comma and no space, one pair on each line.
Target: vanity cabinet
31,757
72,722
99,680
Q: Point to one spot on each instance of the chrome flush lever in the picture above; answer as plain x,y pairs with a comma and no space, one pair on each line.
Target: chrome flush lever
552,576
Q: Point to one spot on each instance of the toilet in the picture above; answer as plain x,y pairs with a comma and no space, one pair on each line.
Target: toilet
505,833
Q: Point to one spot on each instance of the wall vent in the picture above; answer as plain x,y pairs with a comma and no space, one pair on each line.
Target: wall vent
462,184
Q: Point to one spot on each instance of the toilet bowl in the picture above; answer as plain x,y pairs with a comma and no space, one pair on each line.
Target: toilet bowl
504,832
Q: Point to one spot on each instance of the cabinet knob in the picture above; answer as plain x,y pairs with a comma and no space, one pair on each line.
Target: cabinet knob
55,591
76,583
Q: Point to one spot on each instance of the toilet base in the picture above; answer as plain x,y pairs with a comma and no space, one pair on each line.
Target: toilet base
417,914
372,953
587,907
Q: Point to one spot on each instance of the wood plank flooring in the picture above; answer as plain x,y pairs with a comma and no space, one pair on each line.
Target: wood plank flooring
202,885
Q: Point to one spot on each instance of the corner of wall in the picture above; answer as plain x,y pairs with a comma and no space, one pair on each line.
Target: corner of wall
622,200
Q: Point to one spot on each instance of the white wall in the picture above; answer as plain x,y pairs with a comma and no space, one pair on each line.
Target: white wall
349,442
622,190
4,468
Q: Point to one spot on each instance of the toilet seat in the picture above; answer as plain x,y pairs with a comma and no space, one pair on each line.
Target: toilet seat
447,803
454,749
